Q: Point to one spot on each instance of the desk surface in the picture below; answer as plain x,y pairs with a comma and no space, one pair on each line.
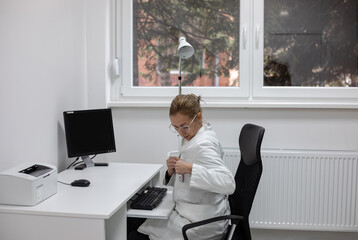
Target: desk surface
111,187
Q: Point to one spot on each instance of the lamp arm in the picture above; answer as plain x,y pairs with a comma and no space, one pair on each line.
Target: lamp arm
179,76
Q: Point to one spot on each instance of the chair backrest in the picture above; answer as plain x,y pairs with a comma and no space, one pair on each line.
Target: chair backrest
248,175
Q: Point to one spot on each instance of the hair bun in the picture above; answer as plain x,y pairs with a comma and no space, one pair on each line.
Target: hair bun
186,104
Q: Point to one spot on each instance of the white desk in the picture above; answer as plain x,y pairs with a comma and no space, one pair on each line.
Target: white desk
96,212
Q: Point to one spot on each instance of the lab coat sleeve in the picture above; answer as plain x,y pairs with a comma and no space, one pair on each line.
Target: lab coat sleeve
170,182
209,172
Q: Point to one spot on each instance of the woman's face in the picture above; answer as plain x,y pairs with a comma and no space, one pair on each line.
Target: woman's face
186,127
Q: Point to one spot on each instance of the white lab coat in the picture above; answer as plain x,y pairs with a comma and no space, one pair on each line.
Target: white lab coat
202,195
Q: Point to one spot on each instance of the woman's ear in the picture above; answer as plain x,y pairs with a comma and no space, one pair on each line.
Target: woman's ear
200,116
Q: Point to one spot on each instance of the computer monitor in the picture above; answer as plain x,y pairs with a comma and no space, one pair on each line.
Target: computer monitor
89,132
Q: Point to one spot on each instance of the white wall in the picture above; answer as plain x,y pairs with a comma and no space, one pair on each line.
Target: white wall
142,134
54,56
42,73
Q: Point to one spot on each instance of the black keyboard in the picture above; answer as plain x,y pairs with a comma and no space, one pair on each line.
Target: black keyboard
149,198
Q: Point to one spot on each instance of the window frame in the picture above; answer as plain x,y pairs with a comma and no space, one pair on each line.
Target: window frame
339,94
250,94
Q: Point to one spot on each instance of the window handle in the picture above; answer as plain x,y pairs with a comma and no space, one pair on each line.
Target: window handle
116,67
244,36
257,36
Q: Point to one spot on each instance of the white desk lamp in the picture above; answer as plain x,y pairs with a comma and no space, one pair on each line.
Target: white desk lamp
185,50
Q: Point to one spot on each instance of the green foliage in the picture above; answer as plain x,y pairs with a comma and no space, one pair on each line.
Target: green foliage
307,42
211,26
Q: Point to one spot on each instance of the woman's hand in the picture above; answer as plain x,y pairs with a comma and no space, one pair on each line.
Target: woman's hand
182,167
171,161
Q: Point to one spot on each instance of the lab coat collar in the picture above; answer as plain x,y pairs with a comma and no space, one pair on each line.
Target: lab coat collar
205,127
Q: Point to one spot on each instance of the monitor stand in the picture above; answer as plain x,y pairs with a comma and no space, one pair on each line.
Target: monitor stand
88,163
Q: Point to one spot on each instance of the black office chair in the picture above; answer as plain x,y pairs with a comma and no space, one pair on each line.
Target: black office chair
247,179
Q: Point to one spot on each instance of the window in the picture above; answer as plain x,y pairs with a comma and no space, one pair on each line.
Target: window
310,49
245,50
210,26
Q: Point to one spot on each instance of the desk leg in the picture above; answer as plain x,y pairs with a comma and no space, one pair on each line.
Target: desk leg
116,226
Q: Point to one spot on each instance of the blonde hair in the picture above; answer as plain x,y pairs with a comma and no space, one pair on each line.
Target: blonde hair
188,105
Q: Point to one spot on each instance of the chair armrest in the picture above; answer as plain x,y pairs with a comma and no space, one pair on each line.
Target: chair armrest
234,218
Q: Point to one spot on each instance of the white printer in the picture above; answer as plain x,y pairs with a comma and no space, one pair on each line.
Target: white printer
28,184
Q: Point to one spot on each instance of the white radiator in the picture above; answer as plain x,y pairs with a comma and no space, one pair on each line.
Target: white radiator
306,190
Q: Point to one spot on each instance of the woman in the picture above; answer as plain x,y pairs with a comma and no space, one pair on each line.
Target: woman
201,181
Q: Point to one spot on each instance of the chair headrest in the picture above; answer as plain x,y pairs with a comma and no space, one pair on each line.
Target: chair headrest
250,140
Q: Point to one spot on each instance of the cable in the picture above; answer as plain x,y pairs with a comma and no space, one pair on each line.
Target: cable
64,183
75,163
78,163
72,164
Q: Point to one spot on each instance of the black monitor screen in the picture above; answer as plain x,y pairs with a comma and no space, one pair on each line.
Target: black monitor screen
89,132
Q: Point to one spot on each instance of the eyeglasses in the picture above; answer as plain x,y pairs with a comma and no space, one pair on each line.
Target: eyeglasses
185,128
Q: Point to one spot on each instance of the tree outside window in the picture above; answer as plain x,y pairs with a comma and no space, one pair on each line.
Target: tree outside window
306,43
311,43
212,27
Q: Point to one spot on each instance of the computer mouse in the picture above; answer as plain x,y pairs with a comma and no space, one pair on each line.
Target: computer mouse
80,183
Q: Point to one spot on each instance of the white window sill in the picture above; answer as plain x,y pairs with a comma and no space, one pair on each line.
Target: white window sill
240,104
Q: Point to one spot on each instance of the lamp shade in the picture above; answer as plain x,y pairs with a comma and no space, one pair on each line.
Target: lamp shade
185,50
